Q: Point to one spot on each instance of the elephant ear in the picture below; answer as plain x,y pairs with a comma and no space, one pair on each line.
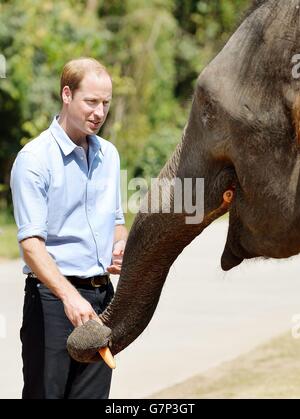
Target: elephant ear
85,341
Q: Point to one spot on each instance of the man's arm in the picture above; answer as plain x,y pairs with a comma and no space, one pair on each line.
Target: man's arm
120,239
77,309
121,235
29,187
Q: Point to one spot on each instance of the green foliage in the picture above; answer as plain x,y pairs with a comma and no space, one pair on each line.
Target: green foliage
37,39
154,50
205,26
8,236
145,55
9,248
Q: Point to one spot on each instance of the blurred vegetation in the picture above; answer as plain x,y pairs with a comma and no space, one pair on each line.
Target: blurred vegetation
154,49
8,236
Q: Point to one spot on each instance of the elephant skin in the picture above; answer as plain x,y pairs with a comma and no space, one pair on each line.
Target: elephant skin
241,135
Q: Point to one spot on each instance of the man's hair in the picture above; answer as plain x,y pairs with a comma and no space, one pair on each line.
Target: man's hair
74,71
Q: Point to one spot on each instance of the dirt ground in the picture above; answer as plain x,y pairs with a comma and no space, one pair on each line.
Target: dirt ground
271,371
204,318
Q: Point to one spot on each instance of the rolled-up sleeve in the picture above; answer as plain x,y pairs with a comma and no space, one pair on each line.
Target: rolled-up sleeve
29,192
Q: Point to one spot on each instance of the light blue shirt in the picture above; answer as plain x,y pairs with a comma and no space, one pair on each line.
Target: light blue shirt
71,201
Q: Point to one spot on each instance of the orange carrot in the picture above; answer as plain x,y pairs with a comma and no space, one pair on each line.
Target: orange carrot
107,357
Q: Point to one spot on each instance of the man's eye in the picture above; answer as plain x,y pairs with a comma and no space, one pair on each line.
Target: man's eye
106,103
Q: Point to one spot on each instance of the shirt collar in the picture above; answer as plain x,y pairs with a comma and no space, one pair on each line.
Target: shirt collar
66,144
95,144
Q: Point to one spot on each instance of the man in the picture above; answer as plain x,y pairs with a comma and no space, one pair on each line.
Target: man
66,195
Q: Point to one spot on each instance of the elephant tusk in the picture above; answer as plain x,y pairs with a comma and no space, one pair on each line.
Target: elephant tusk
107,357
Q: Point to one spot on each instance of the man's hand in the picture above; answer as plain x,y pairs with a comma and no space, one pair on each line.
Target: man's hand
78,310
117,257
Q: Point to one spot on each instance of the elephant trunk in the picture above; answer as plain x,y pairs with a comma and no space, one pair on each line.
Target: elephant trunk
140,284
155,241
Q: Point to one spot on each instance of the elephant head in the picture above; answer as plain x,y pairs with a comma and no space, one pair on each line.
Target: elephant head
242,135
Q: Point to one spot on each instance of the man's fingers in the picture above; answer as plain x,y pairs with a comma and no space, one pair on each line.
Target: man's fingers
117,262
97,319
118,252
113,269
77,321
79,311
89,315
74,319
85,318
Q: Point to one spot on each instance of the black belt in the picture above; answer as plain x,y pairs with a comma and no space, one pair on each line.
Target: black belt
94,281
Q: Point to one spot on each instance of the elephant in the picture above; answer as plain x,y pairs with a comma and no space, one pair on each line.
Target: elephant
243,136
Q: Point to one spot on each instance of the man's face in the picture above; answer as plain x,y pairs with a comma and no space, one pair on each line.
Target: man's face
89,105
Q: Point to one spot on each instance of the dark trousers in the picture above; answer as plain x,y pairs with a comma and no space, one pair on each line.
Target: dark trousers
48,370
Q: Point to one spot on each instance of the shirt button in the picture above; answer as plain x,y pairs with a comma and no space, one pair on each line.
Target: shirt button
96,234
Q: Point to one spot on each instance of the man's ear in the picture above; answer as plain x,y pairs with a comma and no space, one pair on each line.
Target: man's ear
66,95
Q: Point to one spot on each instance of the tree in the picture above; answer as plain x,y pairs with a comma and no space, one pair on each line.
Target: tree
37,39
154,50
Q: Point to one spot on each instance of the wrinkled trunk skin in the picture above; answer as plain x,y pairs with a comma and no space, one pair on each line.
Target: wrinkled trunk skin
240,134
156,239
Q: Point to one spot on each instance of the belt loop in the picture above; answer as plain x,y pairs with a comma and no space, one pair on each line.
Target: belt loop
95,285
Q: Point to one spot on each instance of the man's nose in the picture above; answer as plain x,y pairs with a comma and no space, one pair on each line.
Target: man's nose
99,111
